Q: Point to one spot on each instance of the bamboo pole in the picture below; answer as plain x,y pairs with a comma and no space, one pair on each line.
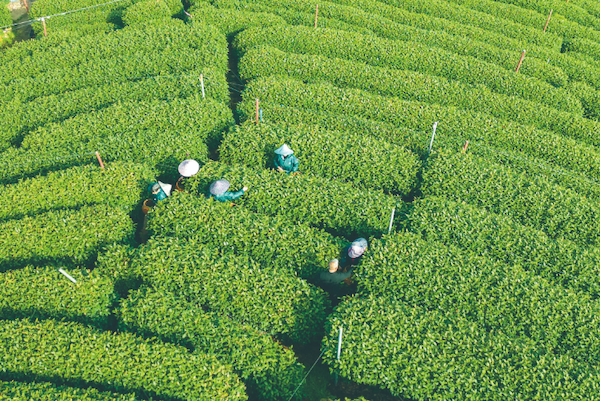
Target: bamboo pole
316,14
44,24
256,111
548,20
202,85
520,61
99,160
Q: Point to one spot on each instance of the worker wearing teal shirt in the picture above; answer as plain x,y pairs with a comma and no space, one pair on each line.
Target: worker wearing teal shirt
219,191
285,161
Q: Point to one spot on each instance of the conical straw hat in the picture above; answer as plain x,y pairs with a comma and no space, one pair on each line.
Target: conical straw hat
283,150
219,187
188,168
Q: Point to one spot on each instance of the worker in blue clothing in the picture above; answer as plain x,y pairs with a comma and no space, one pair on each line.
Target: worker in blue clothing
353,253
219,191
159,191
285,161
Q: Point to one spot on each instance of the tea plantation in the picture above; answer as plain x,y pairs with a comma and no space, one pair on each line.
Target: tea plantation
461,138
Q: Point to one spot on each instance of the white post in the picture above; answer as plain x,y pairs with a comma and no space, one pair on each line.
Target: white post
339,351
432,136
64,273
391,220
202,85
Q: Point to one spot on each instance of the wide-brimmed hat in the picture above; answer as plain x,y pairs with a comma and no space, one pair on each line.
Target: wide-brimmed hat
357,248
188,167
284,150
219,187
166,188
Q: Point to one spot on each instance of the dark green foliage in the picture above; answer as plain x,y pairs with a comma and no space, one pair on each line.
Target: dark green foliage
272,241
44,391
335,206
362,160
43,292
531,200
410,56
80,356
268,299
119,184
64,236
269,370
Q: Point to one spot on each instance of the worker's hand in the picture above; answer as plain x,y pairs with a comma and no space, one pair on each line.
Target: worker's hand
245,189
279,169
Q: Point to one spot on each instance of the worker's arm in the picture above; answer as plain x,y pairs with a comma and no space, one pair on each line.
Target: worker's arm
295,164
230,196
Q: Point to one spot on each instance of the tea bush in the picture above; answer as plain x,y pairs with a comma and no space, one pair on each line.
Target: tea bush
44,391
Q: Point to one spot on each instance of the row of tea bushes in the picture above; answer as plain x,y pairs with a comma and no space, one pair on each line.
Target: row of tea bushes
159,133
62,236
122,363
272,241
119,184
407,56
335,206
502,238
45,391
40,292
361,160
269,370
455,126
16,118
436,354
270,300
532,201
264,61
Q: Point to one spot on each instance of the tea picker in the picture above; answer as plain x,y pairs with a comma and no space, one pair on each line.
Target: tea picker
186,169
353,252
332,279
219,191
159,191
285,161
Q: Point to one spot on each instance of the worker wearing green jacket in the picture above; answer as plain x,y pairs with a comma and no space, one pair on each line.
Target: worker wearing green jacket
219,191
285,161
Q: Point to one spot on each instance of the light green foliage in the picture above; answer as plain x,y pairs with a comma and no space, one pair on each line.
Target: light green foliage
268,299
146,12
265,60
269,370
64,236
412,56
332,205
530,200
362,160
474,229
119,184
43,292
438,354
73,353
159,133
272,241
455,126
43,391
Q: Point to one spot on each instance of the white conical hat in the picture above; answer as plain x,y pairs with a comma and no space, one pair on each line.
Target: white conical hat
219,187
283,150
188,168
166,188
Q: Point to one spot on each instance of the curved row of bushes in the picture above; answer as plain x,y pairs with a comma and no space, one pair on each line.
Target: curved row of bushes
385,27
72,354
410,56
532,201
362,160
265,60
270,300
332,205
454,128
127,54
272,241
40,292
44,391
63,236
438,355
498,236
17,118
159,133
269,370
119,184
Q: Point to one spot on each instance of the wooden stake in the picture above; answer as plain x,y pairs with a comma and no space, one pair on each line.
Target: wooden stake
316,14
339,351
464,150
548,20
99,160
432,136
64,273
256,111
26,5
202,85
520,61
391,220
